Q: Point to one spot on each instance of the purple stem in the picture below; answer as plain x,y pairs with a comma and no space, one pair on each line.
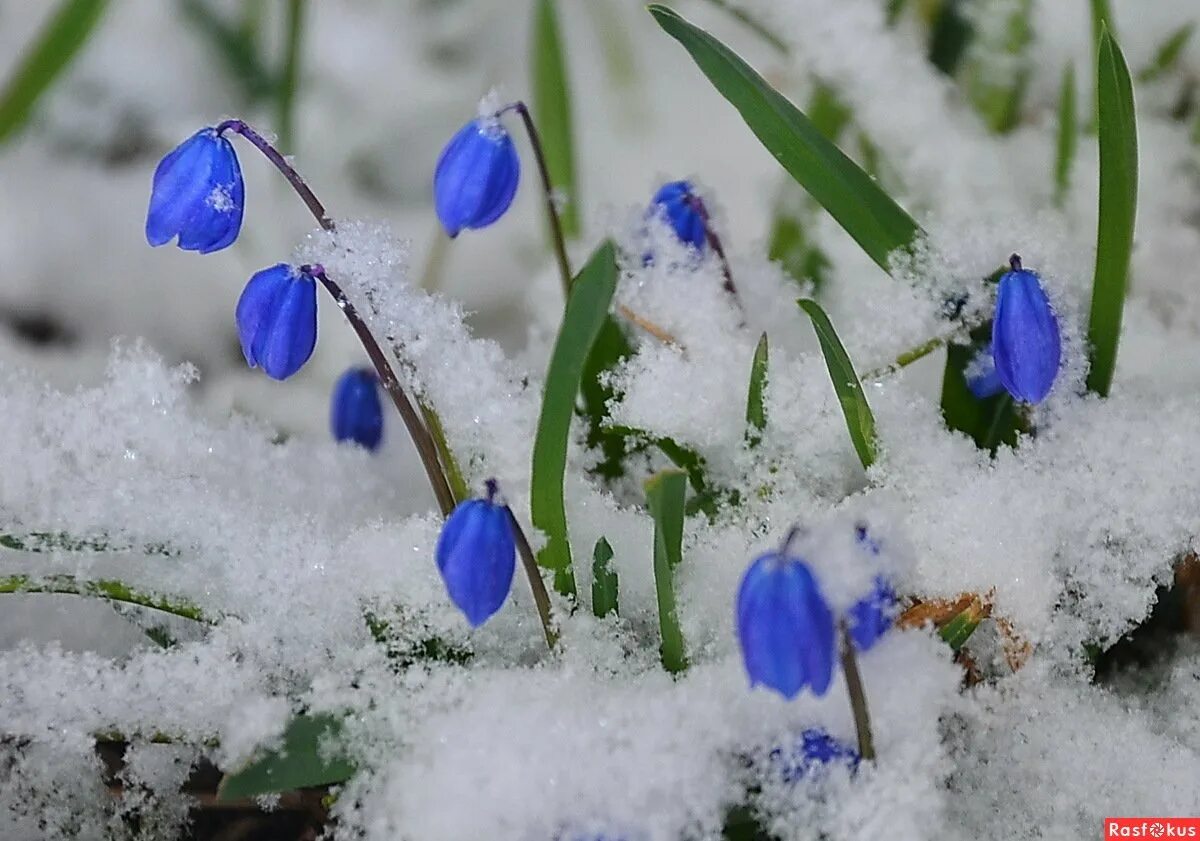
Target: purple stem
540,597
714,242
274,156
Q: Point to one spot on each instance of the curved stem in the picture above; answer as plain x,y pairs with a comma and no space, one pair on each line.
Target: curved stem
714,242
391,384
104,588
858,696
275,157
556,231
540,597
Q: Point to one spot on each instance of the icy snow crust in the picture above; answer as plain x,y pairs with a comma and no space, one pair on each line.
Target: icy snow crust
288,545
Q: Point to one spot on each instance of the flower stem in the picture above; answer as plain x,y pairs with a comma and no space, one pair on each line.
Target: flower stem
556,230
540,597
104,588
289,77
714,242
275,157
858,697
426,447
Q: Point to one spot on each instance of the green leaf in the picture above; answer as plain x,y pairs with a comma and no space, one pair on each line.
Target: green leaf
303,761
587,309
1117,129
609,350
1068,134
859,420
605,585
958,630
868,214
950,36
45,59
756,410
665,493
552,109
1101,21
990,422
437,431
1168,53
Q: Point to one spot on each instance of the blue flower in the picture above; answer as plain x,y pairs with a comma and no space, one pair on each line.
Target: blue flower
476,176
1025,339
813,751
277,320
785,626
871,616
683,210
476,556
197,195
356,413
982,377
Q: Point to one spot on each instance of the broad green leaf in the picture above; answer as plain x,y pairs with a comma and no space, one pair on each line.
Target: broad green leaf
605,585
552,109
859,420
1117,130
1068,134
756,410
1168,53
869,215
308,757
665,493
586,312
46,57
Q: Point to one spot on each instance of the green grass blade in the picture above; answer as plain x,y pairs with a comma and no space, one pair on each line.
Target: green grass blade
1168,54
665,492
300,762
587,310
859,420
1068,134
1101,21
437,431
45,59
609,349
289,75
552,109
1117,129
756,410
605,585
868,214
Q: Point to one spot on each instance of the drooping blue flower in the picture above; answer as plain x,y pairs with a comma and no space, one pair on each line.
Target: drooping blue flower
871,616
982,378
785,626
476,176
197,195
277,320
814,751
476,556
1026,344
682,208
356,412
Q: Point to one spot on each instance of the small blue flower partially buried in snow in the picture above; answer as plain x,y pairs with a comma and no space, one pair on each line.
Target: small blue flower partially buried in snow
683,210
197,195
476,176
356,412
277,319
1026,344
785,627
871,616
477,556
813,753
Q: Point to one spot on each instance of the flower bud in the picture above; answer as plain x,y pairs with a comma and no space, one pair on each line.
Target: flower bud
277,320
356,412
476,556
681,208
197,195
1026,344
476,176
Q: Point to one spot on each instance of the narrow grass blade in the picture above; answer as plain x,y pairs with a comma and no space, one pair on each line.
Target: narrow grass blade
609,349
60,40
586,312
756,410
289,75
1117,130
552,109
307,758
1168,54
605,585
665,493
869,215
1101,21
1068,134
859,420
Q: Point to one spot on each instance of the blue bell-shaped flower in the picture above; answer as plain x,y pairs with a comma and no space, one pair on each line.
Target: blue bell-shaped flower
356,412
981,375
476,176
871,616
476,556
198,195
1026,344
682,209
277,320
813,752
785,626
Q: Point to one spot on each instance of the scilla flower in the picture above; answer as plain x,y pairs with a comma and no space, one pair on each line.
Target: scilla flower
981,375
277,319
197,195
785,627
1026,344
476,556
871,616
813,752
476,176
356,412
682,209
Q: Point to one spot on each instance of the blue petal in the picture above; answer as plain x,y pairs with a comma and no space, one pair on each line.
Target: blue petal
1026,343
254,308
356,412
476,177
813,751
982,378
290,336
675,200
872,616
218,219
181,183
477,557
